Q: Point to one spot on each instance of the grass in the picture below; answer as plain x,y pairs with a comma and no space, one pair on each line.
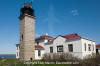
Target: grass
16,62
90,61
52,65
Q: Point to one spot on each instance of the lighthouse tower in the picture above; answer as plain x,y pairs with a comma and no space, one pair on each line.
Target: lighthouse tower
27,30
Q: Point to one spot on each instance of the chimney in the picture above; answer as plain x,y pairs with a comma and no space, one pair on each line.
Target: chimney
46,34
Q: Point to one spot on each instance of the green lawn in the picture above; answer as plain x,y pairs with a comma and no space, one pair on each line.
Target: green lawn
53,65
15,62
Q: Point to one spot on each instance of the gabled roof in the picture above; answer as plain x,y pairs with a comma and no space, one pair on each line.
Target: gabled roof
98,45
44,37
38,47
71,36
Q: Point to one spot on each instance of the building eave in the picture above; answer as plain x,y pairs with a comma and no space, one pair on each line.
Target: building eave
87,39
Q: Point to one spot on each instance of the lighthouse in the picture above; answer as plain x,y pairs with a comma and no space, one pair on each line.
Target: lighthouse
27,31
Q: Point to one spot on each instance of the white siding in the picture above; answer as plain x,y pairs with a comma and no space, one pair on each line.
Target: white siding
87,52
36,54
47,47
17,52
42,42
78,46
58,41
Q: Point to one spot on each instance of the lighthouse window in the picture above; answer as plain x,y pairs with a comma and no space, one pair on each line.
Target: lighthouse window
22,36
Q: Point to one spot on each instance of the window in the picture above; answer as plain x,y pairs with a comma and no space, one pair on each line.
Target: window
85,46
17,47
17,53
22,37
51,49
89,47
93,47
37,42
48,40
97,51
60,48
70,47
39,53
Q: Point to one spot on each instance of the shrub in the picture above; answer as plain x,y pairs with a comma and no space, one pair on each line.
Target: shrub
91,60
59,57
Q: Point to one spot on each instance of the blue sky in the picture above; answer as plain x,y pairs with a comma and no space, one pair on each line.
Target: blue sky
55,17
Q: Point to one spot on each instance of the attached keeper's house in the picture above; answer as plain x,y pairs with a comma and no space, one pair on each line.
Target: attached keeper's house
72,43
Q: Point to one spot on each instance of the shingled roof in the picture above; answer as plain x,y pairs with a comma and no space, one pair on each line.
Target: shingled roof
38,47
71,36
44,37
98,45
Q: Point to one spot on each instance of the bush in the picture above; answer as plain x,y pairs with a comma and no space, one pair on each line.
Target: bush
91,60
59,57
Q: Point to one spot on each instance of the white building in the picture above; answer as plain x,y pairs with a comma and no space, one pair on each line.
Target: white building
39,51
43,39
17,51
39,46
73,43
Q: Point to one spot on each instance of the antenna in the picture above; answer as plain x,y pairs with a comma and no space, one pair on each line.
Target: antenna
28,3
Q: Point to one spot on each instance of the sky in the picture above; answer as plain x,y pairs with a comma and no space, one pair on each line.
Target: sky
55,17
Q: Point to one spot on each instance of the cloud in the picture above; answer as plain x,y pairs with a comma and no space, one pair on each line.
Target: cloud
75,12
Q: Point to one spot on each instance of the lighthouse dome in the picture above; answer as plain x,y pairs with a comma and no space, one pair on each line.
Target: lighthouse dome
27,9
